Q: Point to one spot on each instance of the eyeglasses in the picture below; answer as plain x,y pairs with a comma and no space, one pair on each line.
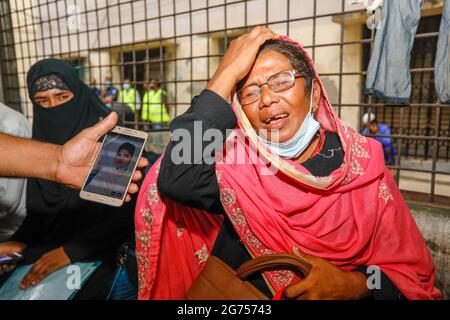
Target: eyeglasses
277,82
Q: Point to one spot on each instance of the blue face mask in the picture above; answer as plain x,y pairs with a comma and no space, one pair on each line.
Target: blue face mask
126,86
294,147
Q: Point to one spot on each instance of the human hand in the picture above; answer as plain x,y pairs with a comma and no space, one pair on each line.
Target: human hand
76,156
46,265
326,281
238,60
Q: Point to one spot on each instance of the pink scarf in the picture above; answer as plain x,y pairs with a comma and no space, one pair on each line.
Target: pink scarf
356,216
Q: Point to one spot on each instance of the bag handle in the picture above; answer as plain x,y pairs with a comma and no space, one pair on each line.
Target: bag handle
273,261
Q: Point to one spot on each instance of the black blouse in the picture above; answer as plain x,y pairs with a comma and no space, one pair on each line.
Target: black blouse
195,184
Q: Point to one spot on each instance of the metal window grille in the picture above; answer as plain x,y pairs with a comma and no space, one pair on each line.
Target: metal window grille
181,43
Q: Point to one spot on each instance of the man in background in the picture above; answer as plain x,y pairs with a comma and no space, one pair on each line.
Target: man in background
371,126
154,106
93,85
130,96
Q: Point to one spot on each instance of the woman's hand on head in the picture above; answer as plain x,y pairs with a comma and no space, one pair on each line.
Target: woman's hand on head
238,60
46,265
327,282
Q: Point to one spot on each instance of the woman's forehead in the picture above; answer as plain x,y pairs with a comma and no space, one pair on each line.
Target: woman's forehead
266,64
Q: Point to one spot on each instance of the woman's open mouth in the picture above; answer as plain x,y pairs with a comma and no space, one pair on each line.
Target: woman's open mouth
276,122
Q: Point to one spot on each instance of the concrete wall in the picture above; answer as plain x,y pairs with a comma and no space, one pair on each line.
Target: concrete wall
434,223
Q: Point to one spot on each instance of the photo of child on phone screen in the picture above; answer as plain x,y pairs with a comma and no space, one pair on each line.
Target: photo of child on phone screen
112,172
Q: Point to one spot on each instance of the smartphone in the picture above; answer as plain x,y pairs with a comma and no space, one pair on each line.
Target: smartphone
11,259
112,171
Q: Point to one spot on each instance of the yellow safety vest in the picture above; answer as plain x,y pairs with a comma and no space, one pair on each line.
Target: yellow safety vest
153,108
128,97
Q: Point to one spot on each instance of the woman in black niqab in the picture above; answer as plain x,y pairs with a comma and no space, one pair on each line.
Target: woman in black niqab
59,224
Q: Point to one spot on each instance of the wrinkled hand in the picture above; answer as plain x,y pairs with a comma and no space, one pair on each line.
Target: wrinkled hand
46,265
76,157
8,248
327,282
238,60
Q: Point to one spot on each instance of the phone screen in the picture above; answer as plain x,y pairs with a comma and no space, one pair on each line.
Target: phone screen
114,166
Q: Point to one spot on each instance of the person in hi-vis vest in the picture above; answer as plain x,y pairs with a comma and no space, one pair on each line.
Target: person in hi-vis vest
154,107
130,96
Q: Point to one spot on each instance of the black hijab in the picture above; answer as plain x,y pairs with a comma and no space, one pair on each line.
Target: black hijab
61,123
55,213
